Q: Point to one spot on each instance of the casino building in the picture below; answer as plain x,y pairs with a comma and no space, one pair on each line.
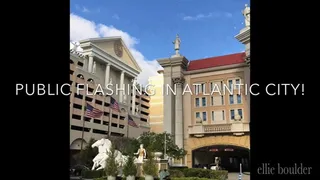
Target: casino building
208,125
105,61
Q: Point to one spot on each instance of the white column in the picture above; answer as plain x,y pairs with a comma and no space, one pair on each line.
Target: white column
107,75
178,113
168,104
90,63
133,97
121,87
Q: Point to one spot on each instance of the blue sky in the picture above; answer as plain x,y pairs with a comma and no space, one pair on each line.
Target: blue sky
206,27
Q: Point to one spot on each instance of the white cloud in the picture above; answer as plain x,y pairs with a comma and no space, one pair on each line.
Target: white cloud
210,15
81,28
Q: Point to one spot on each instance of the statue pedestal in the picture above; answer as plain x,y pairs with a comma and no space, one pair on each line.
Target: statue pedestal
139,170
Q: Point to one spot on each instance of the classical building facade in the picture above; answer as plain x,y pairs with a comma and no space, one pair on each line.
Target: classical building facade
209,124
156,103
105,61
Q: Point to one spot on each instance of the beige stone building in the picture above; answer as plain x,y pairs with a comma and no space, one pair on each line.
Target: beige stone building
207,124
156,103
105,61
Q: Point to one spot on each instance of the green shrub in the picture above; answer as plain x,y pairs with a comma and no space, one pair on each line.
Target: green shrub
191,178
102,178
150,166
92,174
176,173
111,164
205,173
130,168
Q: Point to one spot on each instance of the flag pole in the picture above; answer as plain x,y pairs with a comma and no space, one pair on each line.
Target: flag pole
128,125
82,133
109,125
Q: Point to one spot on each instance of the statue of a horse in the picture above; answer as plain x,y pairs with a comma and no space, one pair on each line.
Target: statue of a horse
104,145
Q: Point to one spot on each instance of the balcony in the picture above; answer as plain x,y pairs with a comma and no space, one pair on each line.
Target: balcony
237,128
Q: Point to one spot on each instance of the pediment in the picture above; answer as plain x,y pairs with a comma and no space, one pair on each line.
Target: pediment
117,48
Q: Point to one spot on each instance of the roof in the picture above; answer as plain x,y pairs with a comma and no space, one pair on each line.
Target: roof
216,61
77,53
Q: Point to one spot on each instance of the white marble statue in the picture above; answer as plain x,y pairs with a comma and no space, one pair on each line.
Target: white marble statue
142,153
104,145
177,43
103,148
246,14
94,67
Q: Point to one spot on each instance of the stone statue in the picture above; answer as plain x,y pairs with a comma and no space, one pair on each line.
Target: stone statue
177,43
104,145
246,14
142,153
94,67
110,82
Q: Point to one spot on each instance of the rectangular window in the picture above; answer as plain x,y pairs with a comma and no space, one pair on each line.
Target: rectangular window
222,100
230,84
203,88
204,102
239,98
240,113
223,115
197,102
212,115
197,115
231,99
204,116
212,101
232,114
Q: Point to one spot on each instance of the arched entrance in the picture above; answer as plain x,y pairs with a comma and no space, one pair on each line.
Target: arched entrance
230,155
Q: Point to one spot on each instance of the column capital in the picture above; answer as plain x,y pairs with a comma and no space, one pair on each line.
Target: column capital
178,80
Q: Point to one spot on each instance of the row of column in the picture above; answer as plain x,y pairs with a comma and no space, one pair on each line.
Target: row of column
91,69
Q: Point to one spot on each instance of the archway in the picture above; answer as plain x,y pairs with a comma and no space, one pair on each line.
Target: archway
231,157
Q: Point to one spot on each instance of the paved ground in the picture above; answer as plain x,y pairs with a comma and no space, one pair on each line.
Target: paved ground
235,176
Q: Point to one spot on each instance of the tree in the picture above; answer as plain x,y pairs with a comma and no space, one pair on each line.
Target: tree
156,142
127,146
86,156
112,165
130,168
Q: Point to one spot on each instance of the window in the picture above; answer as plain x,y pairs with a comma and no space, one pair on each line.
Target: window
237,81
239,98
223,115
197,88
222,100
212,116
204,102
240,113
231,99
204,116
230,84
197,102
211,86
203,87
212,101
197,115
232,114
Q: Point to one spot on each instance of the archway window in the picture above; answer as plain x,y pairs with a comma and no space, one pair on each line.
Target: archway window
80,76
